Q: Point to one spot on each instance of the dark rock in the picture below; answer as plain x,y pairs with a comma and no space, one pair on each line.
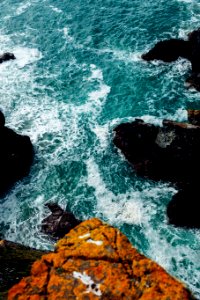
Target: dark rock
194,116
168,153
183,210
15,262
16,156
193,81
59,223
2,120
169,50
194,40
6,56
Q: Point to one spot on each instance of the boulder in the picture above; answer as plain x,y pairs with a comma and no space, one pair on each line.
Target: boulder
15,262
183,209
96,261
59,222
16,156
6,56
170,152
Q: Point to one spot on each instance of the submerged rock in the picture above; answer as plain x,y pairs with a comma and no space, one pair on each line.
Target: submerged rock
59,222
16,156
6,56
96,261
15,262
170,50
170,152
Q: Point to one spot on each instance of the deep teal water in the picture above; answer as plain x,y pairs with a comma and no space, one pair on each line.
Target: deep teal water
78,74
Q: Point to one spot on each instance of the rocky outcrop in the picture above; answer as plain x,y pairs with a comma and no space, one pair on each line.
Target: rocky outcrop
16,156
59,222
183,209
170,152
170,50
15,262
6,56
96,261
194,116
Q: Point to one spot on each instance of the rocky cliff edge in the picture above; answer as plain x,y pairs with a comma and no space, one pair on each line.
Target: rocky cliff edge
96,261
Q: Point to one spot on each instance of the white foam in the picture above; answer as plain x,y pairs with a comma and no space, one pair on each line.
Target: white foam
186,1
23,7
122,55
121,208
89,282
102,133
26,56
96,73
68,37
97,97
57,10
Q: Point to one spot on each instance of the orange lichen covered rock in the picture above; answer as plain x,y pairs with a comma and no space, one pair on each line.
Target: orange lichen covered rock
96,261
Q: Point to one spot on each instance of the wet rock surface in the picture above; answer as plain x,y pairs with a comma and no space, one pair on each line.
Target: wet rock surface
170,50
16,156
59,222
6,56
169,153
96,261
15,262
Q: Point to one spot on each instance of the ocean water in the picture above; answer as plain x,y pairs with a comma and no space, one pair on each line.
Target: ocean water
78,74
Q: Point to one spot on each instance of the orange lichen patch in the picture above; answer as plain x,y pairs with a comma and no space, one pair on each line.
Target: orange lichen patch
96,261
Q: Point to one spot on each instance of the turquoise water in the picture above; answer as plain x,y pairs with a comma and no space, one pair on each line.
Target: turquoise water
78,74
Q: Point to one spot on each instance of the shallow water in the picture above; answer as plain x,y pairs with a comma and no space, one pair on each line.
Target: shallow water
78,74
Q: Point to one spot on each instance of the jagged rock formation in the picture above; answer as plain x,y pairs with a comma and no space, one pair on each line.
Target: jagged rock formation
96,261
170,50
15,262
169,153
16,156
6,56
59,222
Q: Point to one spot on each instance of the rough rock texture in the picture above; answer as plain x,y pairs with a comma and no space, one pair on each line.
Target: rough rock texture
96,261
194,116
16,156
6,56
170,153
170,50
167,153
59,222
15,262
